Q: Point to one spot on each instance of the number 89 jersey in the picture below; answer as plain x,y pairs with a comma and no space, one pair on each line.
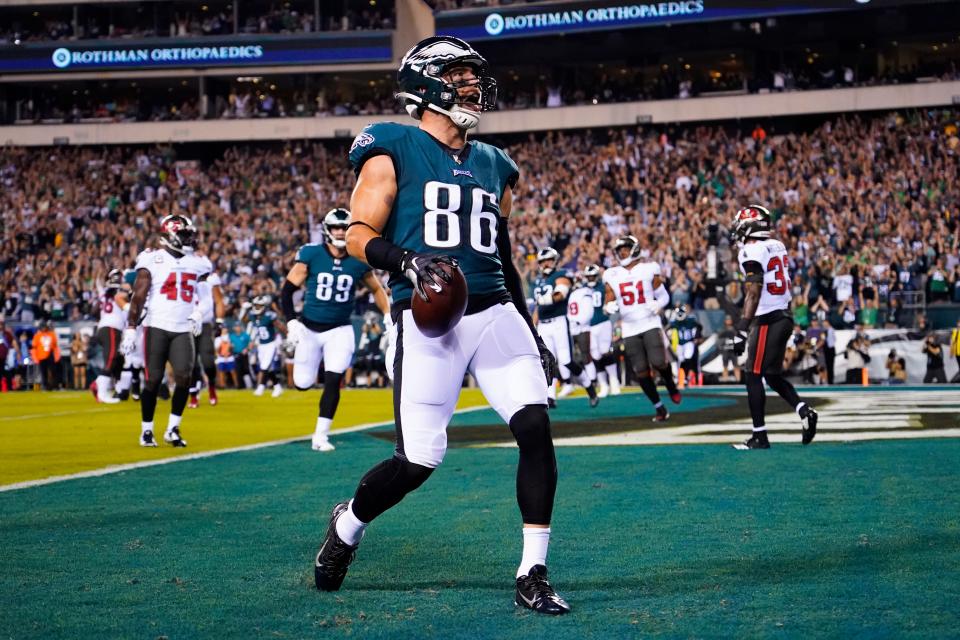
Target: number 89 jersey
173,288
445,204
331,285
771,255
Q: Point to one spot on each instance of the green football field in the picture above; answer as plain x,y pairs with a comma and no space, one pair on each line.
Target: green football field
857,535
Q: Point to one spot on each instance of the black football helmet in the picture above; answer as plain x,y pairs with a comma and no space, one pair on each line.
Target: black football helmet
422,86
178,233
338,218
547,254
753,222
627,242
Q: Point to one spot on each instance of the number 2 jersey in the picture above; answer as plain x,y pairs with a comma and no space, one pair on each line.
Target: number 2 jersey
771,255
331,286
173,288
444,205
633,288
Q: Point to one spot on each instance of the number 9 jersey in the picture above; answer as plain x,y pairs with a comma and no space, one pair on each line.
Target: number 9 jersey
173,288
771,255
448,201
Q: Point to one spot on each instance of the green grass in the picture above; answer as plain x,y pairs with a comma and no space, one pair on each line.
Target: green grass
832,540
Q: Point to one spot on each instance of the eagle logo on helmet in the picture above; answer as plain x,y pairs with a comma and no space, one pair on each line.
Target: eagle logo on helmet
592,274
547,254
422,86
338,218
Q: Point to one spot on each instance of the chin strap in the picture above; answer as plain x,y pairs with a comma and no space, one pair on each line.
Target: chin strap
463,118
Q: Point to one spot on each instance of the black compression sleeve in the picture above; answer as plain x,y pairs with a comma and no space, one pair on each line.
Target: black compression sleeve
511,276
286,300
383,254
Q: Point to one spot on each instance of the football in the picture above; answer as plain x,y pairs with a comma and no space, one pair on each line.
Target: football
443,309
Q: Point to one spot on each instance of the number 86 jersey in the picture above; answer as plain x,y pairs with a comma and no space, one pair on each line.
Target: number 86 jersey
771,255
173,288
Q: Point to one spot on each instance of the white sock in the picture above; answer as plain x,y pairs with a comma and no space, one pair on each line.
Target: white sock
612,374
146,426
658,405
103,386
173,422
798,409
535,543
349,528
758,429
126,379
552,391
602,377
323,427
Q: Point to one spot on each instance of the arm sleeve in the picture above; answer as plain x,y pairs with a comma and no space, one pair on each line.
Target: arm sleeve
286,300
661,296
511,276
753,271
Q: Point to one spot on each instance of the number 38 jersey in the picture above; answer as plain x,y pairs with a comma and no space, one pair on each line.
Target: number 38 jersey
173,288
446,203
331,285
771,255
634,290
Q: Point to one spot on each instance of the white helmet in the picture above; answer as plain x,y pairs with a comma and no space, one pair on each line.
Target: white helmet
545,254
338,218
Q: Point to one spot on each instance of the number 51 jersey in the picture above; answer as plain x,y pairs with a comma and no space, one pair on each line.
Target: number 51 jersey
771,255
446,203
173,288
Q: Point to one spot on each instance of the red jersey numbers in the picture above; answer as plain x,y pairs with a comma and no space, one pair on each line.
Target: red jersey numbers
106,304
778,266
628,296
186,287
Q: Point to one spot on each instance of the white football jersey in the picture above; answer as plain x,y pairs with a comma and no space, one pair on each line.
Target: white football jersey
772,256
173,288
635,296
205,291
111,315
580,310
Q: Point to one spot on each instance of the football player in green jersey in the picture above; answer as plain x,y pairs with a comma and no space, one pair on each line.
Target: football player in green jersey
425,196
323,331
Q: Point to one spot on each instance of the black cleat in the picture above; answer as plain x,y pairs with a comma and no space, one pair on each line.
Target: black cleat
809,420
662,414
551,403
335,555
173,438
594,401
146,439
754,442
534,592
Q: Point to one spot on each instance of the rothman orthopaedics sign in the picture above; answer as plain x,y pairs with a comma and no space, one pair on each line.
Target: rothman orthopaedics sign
565,17
371,46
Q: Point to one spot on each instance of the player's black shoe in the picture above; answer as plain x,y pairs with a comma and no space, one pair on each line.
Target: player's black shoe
147,440
172,436
551,403
335,555
809,419
757,441
594,401
534,592
163,392
662,414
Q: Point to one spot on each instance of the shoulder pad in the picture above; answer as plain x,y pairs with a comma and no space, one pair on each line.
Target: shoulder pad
305,252
380,138
507,170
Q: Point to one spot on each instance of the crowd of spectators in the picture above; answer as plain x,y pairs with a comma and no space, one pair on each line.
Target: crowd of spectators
449,5
262,101
278,19
868,208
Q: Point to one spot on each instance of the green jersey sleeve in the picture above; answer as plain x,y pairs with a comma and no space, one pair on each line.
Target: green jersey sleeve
378,139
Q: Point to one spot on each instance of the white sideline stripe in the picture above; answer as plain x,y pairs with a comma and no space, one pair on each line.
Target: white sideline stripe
657,437
31,416
118,468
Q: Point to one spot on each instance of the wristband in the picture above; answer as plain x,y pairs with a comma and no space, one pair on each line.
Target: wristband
383,254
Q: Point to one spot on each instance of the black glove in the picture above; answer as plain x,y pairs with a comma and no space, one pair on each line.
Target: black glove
740,342
423,270
547,361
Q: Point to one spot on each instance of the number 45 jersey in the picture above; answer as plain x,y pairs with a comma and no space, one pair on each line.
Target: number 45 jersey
173,288
330,286
771,255
447,203
634,290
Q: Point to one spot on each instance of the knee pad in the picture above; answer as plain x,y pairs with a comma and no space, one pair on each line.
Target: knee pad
531,427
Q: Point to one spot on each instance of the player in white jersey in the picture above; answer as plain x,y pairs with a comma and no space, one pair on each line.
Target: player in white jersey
766,304
579,313
635,289
167,283
601,337
210,297
111,303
